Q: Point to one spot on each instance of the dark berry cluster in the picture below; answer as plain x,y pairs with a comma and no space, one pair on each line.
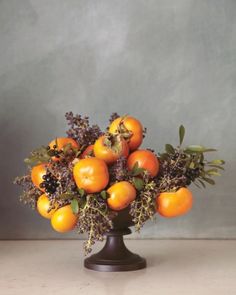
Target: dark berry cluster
54,151
113,117
50,183
192,174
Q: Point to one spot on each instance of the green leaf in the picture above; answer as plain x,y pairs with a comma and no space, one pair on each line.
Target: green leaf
31,161
192,165
136,170
81,192
56,142
74,206
197,185
217,162
67,147
66,195
209,150
138,183
201,157
209,180
195,148
38,156
216,166
181,134
135,166
213,172
202,183
163,156
104,194
169,148
199,149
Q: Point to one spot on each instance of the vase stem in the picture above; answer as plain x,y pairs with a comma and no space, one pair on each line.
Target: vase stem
115,256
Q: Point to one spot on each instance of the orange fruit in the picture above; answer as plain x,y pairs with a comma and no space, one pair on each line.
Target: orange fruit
146,160
88,152
129,124
172,204
61,142
121,194
110,154
91,174
63,219
43,205
37,174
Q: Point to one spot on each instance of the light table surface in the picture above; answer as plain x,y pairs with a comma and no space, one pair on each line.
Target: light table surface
174,267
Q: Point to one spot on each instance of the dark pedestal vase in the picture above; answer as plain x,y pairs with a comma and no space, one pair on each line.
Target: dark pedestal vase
115,256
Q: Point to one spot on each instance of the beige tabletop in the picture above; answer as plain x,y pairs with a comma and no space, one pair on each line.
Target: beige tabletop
174,267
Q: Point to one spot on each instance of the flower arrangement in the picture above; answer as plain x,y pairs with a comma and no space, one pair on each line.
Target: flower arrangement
84,180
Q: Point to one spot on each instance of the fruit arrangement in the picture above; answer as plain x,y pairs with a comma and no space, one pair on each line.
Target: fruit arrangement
84,180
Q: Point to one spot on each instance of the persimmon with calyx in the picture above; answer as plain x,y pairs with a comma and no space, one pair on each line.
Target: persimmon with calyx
37,174
88,152
91,174
121,194
110,148
145,159
130,128
59,143
43,206
64,220
172,204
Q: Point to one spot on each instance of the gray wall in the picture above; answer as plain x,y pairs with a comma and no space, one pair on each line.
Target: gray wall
166,62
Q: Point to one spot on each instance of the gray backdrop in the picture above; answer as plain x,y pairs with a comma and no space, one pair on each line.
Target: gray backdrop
166,62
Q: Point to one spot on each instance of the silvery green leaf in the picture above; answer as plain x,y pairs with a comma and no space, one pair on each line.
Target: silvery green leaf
74,206
169,148
138,183
181,134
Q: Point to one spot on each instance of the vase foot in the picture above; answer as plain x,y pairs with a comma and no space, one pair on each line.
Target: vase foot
115,256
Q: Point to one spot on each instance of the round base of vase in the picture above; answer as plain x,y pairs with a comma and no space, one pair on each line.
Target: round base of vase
115,256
